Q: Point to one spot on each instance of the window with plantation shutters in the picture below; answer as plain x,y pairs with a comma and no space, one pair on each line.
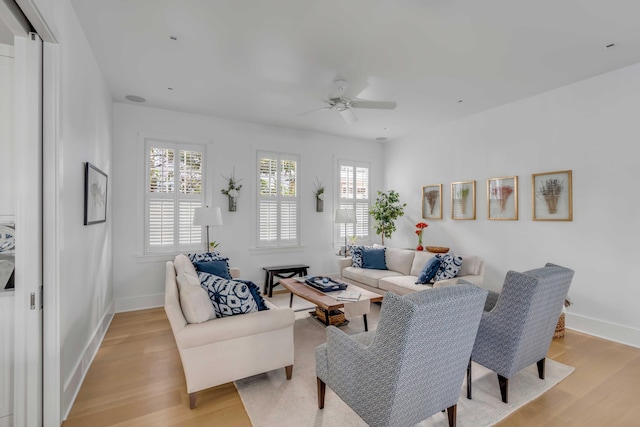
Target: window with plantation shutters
278,213
173,189
353,193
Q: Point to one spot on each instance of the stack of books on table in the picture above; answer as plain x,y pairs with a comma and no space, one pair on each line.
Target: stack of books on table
348,296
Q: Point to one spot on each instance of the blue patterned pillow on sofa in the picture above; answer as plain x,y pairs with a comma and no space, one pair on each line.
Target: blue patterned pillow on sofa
449,266
206,256
231,297
356,256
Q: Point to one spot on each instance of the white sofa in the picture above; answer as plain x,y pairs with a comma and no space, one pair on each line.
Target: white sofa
403,268
226,349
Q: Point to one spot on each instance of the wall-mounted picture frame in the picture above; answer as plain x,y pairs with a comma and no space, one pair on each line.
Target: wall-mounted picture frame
502,198
95,195
463,200
552,196
432,201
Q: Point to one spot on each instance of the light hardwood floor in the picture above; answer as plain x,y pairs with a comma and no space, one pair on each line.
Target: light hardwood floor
136,379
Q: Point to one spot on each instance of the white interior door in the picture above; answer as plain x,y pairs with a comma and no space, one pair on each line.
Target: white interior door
28,281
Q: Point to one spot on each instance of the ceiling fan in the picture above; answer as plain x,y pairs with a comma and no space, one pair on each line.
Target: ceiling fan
343,105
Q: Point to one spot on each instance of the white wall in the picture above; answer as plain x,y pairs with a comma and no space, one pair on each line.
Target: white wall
84,253
139,280
590,127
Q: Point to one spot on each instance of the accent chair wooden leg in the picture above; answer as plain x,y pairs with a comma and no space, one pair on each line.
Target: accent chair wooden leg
192,400
289,371
541,368
504,388
451,413
469,380
321,389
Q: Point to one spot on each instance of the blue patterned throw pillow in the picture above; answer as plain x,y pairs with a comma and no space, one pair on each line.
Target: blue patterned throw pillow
231,297
217,267
206,256
429,271
449,266
356,256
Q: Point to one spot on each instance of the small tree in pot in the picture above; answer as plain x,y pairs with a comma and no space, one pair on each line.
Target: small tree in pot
385,211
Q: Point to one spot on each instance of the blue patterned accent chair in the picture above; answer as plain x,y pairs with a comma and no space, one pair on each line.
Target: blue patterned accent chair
413,365
518,324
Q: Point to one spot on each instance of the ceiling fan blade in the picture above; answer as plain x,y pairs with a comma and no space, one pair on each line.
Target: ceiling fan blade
348,116
313,111
383,105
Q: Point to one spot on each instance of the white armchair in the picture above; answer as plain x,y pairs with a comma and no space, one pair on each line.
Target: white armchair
218,351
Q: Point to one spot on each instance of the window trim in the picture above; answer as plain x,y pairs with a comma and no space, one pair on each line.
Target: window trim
339,201
290,245
179,142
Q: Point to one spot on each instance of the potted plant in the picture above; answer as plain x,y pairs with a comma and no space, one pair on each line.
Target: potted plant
233,190
319,193
385,211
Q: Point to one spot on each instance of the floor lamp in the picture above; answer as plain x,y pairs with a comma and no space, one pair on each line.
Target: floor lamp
345,216
207,217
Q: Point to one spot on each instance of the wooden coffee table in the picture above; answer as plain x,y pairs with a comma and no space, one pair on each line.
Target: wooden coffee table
326,302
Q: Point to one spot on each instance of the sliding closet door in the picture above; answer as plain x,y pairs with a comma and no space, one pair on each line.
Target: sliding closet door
28,285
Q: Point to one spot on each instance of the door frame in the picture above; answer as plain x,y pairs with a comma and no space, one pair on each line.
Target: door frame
21,16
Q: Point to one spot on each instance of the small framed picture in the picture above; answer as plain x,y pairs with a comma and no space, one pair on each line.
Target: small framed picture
432,201
463,200
552,196
95,195
502,198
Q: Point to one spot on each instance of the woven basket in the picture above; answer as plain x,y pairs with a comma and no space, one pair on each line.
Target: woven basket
559,333
336,317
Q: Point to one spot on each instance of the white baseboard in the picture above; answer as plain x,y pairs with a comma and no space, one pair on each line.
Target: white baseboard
72,384
602,329
139,303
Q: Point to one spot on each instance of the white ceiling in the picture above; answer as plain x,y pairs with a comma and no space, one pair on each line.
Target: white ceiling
267,61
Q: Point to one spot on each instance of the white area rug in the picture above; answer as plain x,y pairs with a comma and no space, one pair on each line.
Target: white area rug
272,401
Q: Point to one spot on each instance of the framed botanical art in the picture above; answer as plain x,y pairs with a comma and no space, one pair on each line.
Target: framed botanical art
463,200
502,198
95,195
552,196
432,201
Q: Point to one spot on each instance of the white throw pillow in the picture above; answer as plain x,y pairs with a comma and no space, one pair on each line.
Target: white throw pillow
182,264
194,300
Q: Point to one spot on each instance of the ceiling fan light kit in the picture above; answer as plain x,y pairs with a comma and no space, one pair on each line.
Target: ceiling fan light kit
344,105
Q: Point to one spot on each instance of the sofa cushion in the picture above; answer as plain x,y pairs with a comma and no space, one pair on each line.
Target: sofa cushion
218,267
231,297
399,260
401,285
429,271
182,264
194,301
419,260
449,267
374,258
205,256
470,265
367,276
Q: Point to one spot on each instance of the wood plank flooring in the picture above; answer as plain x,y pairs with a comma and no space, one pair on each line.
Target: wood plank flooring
136,379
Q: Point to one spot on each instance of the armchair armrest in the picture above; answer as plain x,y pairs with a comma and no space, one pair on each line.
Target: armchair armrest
226,328
234,272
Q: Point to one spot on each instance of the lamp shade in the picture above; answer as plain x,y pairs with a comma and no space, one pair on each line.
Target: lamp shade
345,216
207,216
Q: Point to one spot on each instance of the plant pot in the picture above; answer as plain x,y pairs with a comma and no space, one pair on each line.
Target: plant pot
319,205
232,203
